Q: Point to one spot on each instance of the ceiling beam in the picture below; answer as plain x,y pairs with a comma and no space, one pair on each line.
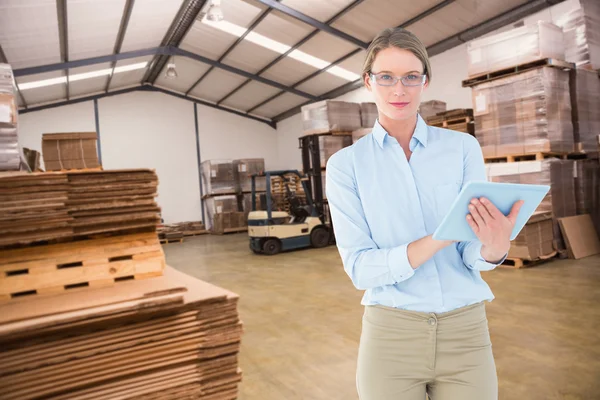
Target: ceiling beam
230,49
120,37
167,51
145,88
4,60
471,33
305,39
179,28
314,23
63,34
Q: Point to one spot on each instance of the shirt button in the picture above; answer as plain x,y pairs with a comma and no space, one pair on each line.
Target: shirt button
431,321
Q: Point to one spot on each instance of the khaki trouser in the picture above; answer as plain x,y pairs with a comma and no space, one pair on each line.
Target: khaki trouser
405,354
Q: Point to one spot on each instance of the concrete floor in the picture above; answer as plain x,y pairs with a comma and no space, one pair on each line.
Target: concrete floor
302,319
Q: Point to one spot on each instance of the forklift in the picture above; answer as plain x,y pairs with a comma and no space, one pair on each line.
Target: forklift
273,231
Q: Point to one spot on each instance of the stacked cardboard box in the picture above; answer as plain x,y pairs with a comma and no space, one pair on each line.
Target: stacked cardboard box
70,151
218,177
560,200
514,47
430,108
329,145
360,133
581,28
331,116
535,240
585,104
247,203
64,205
9,143
460,119
368,114
243,169
525,113
223,214
169,337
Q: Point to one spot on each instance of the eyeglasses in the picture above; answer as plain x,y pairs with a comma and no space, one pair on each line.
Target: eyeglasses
385,79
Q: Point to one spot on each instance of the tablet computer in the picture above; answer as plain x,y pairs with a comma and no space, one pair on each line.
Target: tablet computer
454,226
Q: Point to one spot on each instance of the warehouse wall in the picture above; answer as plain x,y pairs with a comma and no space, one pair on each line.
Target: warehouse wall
155,130
449,70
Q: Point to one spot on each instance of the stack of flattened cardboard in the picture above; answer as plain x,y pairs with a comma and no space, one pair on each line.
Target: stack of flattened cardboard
9,143
368,115
169,337
59,205
558,174
585,105
331,116
587,189
224,214
526,113
535,240
430,108
70,151
581,28
329,145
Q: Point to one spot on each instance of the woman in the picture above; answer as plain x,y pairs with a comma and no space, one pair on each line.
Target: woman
424,327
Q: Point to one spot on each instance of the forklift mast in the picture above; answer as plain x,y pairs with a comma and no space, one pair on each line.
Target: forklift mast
311,165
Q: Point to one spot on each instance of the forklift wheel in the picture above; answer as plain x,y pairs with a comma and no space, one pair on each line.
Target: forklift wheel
319,237
271,247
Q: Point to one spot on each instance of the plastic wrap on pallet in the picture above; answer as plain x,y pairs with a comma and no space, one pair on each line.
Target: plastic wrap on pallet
430,108
329,145
247,202
9,141
244,168
560,200
218,177
331,116
368,114
524,113
585,106
535,240
514,47
587,189
581,28
219,205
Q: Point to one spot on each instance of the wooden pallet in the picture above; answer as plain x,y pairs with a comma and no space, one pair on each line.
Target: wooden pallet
517,69
539,156
516,263
195,233
166,241
88,263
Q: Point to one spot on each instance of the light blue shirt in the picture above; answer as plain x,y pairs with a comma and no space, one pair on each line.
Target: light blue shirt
380,202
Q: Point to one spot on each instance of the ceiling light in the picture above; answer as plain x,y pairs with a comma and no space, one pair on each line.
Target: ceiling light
215,13
81,76
281,48
171,70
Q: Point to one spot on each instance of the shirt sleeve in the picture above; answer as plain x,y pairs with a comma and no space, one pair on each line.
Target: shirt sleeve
474,170
367,265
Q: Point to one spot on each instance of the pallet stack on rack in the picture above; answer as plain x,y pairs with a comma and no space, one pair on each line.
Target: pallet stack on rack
227,186
525,109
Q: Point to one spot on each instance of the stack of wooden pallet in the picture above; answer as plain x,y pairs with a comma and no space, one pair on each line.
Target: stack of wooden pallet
64,205
457,120
279,191
177,231
169,337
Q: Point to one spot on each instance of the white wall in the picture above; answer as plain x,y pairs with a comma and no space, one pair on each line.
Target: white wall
156,130
73,118
449,70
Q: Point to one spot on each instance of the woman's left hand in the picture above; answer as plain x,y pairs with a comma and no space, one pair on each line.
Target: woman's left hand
491,227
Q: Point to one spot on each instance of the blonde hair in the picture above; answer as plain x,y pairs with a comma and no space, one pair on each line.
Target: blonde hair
402,39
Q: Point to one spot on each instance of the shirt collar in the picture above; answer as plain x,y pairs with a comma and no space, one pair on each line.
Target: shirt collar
420,133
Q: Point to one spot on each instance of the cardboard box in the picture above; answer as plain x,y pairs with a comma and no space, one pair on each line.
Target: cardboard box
244,168
331,116
581,28
368,114
430,108
70,150
329,145
218,177
585,109
514,47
